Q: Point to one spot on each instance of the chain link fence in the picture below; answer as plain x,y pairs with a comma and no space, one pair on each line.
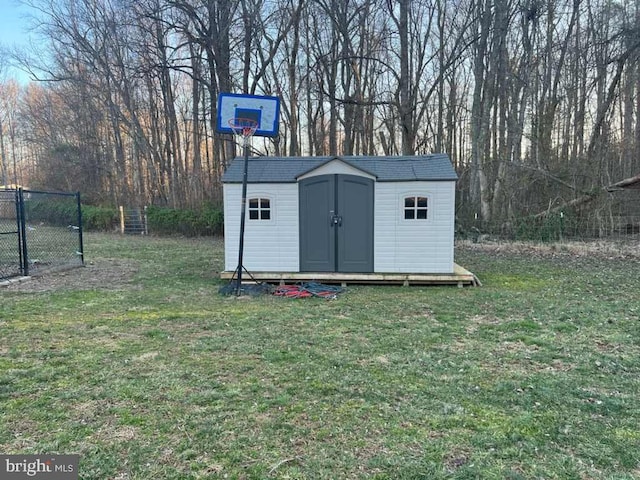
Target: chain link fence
39,231
10,239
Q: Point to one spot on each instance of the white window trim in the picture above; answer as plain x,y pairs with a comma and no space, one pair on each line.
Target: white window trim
415,221
261,221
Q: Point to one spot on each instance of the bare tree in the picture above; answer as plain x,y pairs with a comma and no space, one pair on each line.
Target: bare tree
536,102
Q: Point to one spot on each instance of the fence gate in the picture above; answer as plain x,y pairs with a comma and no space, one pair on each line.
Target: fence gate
39,231
11,260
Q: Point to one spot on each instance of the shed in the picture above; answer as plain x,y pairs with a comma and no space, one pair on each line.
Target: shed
358,218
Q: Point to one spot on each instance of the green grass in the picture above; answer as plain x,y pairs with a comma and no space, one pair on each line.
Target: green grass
155,375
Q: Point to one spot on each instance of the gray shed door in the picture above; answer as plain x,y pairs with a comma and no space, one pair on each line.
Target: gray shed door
336,224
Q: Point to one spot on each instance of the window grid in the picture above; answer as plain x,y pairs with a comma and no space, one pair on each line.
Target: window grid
416,208
259,209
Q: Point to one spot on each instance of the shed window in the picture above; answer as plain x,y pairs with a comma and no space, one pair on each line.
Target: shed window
416,208
259,209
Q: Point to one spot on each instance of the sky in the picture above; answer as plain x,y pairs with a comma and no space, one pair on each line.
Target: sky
14,30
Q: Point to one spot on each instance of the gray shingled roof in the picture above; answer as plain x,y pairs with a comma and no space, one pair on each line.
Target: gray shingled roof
386,169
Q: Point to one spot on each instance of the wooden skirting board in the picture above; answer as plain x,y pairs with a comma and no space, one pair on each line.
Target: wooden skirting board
460,277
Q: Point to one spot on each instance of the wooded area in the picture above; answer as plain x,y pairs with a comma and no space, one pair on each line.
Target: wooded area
536,101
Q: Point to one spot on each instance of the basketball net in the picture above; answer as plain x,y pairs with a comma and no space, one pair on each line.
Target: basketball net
243,127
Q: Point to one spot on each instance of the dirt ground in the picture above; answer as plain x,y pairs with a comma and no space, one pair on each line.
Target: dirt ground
105,274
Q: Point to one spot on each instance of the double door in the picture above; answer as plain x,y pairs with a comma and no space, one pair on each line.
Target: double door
336,224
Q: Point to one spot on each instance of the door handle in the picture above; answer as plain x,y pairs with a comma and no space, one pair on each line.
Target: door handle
334,219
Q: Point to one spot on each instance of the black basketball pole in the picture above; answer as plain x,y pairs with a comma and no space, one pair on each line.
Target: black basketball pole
245,146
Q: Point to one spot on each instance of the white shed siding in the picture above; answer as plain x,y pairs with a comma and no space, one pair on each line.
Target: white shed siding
417,246
269,245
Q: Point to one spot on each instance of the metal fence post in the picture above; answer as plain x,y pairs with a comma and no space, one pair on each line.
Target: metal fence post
18,232
80,239
22,233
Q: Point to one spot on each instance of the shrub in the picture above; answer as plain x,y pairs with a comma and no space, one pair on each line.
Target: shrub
205,221
64,211
99,218
549,228
51,211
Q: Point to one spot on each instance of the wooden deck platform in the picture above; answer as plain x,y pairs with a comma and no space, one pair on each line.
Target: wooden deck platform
460,277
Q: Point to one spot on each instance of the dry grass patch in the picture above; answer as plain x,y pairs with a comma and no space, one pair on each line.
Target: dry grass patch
623,249
103,274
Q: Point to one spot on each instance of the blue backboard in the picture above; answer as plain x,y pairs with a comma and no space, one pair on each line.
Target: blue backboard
261,109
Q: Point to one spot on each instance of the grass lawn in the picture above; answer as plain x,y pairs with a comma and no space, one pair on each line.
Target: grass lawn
137,364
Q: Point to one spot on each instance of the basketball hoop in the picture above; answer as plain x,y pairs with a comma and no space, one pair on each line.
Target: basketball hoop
243,127
246,116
